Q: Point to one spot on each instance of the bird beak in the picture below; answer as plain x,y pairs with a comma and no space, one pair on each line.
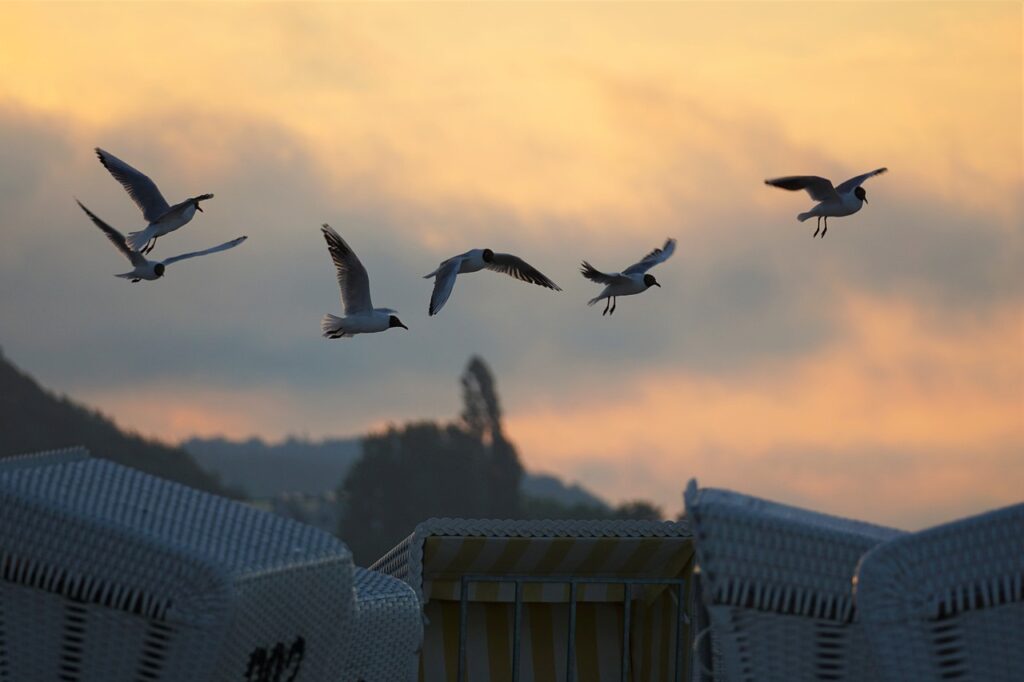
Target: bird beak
865,200
403,326
200,208
657,285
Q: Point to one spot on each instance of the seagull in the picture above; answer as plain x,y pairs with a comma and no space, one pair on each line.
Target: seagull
474,261
143,268
632,280
360,315
833,202
163,219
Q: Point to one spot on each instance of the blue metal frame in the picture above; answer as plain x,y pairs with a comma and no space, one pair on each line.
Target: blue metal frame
570,673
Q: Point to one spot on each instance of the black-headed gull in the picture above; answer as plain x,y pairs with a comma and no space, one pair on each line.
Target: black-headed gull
632,280
474,261
833,202
360,315
143,268
162,218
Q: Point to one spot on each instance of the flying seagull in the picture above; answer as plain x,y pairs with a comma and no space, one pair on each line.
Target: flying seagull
360,315
474,261
833,202
162,218
149,269
632,280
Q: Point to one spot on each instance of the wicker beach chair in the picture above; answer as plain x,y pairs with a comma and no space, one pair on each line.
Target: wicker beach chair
947,603
388,630
502,597
776,581
109,574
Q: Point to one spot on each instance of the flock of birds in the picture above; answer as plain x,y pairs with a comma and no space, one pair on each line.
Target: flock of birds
360,316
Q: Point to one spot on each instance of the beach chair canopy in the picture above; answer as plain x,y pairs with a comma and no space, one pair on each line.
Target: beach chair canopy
948,602
483,564
777,584
110,574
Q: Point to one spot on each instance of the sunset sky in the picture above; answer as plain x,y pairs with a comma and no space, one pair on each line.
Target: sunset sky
877,373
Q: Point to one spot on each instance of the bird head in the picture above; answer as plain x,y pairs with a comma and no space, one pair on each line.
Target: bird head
649,281
201,197
861,194
393,321
159,269
488,256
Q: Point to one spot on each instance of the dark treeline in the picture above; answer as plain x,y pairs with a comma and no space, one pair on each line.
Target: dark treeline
467,468
34,419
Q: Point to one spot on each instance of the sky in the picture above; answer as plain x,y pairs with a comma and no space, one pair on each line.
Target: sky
877,373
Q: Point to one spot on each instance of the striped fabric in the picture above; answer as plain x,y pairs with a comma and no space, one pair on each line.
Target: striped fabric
441,551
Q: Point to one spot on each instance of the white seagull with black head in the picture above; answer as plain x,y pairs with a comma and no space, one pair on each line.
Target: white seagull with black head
162,218
474,261
360,315
632,280
143,268
833,202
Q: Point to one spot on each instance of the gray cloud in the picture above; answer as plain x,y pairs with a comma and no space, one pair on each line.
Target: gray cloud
744,289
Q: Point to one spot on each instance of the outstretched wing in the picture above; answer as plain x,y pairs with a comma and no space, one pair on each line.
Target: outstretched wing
352,277
856,182
141,189
819,188
444,282
653,258
222,247
115,237
520,269
595,275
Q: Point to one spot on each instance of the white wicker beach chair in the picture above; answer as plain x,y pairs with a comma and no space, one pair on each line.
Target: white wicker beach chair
501,598
777,582
388,630
108,574
948,603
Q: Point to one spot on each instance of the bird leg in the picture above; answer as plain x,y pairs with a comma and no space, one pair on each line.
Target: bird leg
615,302
608,302
150,246
818,228
826,228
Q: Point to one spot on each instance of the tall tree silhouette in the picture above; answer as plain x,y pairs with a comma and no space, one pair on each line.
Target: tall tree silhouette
481,415
412,472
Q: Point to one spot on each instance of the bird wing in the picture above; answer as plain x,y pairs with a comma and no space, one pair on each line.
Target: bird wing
520,269
222,247
856,182
141,189
819,188
115,237
595,275
444,282
653,258
352,277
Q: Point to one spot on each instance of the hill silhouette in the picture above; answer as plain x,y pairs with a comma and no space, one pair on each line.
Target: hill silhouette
33,418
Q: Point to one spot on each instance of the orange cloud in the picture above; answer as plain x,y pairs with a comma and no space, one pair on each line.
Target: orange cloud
897,381
599,114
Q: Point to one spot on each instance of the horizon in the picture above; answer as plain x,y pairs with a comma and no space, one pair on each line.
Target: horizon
877,373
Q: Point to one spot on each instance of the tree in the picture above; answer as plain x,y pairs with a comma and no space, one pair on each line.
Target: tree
410,473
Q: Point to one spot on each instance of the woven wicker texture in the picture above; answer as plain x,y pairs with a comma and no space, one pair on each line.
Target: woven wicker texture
777,580
110,574
948,602
388,630
405,560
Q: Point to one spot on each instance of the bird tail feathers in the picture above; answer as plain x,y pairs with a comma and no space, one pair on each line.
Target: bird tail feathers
127,275
333,327
137,240
595,300
805,216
